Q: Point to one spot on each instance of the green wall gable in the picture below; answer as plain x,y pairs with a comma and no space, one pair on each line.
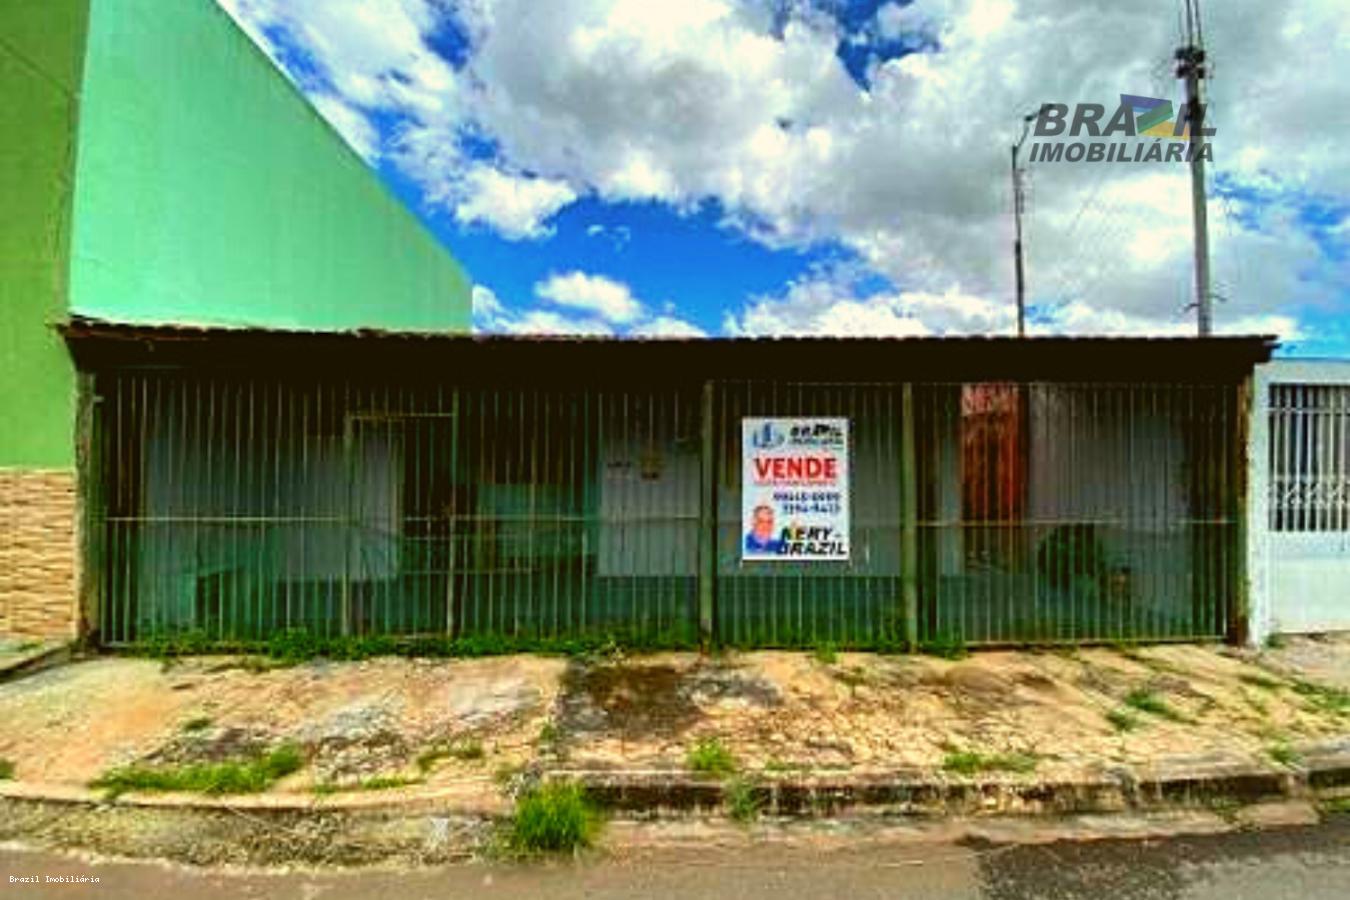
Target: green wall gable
39,80
209,191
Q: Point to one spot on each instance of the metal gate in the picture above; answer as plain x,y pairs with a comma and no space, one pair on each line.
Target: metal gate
1301,510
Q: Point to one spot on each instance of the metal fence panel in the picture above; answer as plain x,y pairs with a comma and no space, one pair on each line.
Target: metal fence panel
237,508
852,603
1076,512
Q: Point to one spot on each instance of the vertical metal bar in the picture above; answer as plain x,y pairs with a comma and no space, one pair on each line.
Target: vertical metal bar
909,520
572,423
583,479
707,536
350,535
274,561
119,475
1237,509
1342,489
534,567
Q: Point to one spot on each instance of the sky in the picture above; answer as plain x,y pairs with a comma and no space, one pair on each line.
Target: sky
774,167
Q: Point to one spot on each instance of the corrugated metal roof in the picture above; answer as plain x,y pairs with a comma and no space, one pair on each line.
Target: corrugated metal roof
80,326
797,358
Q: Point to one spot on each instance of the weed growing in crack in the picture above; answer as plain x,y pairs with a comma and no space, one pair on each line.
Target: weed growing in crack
1284,755
709,757
744,803
1122,720
387,782
553,818
969,762
1322,698
248,776
1149,702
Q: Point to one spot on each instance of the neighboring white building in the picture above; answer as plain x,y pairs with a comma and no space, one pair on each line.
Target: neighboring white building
1299,502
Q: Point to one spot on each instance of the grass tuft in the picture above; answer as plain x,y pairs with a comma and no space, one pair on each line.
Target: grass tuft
553,818
827,654
1122,720
969,762
6,769
743,800
295,646
1149,702
1322,698
250,776
387,782
945,646
709,757
1285,755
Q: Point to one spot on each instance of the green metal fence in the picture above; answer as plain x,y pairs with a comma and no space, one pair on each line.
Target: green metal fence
237,508
1077,512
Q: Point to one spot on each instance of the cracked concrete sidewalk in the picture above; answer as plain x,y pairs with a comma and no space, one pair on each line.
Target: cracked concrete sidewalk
400,729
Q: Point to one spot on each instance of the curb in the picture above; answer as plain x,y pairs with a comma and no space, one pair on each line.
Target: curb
904,793
912,792
451,799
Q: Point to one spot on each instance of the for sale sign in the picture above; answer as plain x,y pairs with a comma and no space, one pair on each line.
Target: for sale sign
794,489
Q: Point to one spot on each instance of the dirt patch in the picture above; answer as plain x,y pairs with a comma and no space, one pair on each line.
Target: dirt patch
658,699
867,712
351,720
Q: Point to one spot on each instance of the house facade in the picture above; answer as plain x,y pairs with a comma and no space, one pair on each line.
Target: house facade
981,491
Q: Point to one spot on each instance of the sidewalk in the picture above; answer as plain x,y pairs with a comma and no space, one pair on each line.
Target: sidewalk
1063,731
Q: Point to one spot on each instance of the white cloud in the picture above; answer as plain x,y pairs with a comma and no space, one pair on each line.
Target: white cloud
678,102
546,321
487,309
516,206
609,299
593,305
830,304
492,316
911,172
374,55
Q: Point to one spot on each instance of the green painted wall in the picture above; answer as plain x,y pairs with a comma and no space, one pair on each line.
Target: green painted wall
41,45
209,191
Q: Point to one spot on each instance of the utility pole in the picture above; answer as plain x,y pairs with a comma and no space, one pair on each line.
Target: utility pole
1191,67
1018,206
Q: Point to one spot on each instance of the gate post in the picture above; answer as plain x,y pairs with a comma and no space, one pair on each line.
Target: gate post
707,518
909,515
1252,471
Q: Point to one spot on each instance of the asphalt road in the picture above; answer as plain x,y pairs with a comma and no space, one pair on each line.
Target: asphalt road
1309,863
